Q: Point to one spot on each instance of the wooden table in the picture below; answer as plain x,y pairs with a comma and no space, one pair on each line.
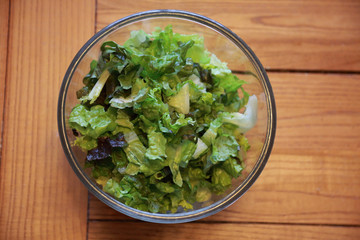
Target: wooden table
310,188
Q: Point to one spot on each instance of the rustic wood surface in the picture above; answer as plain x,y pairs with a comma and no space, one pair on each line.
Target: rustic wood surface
204,231
4,24
40,197
310,186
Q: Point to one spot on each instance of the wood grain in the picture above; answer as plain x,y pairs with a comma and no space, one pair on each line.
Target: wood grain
310,186
312,175
307,34
200,231
4,25
40,196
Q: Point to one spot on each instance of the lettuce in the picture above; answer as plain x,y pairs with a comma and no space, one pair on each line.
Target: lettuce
135,150
224,147
152,107
167,127
210,135
232,167
179,156
93,122
157,146
138,93
85,142
162,122
181,101
244,121
95,92
201,148
220,179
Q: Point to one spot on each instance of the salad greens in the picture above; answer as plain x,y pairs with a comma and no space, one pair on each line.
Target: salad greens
162,122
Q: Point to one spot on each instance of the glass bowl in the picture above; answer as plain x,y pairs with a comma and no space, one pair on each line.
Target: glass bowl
219,40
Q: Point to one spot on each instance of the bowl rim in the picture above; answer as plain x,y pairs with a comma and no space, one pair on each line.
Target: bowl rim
177,217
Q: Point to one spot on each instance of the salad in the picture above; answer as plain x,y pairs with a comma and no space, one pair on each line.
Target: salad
162,122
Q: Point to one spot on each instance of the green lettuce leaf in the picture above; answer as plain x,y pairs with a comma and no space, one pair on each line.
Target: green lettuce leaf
244,121
165,187
232,167
112,187
218,68
179,156
85,142
138,93
128,77
152,107
119,159
150,167
197,52
132,169
123,120
157,146
79,116
181,101
93,122
210,134
167,127
201,148
96,90
230,82
223,148
135,151
220,180
138,39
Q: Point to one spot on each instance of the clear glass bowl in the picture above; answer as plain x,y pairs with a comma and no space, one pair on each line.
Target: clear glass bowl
227,47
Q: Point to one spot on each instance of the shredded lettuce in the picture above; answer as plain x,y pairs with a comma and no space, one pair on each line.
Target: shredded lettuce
162,121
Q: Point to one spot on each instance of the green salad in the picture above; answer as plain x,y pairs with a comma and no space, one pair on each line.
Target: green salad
162,122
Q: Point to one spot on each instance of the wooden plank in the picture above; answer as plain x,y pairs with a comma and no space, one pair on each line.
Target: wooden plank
4,24
40,197
139,230
305,34
313,173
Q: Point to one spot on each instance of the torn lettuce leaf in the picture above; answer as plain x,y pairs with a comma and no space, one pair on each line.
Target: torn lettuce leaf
138,92
157,146
224,147
85,142
181,101
152,107
220,179
96,90
135,150
244,121
201,148
93,122
232,167
166,126
179,156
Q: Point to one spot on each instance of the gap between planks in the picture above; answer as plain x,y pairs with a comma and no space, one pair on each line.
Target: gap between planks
235,222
